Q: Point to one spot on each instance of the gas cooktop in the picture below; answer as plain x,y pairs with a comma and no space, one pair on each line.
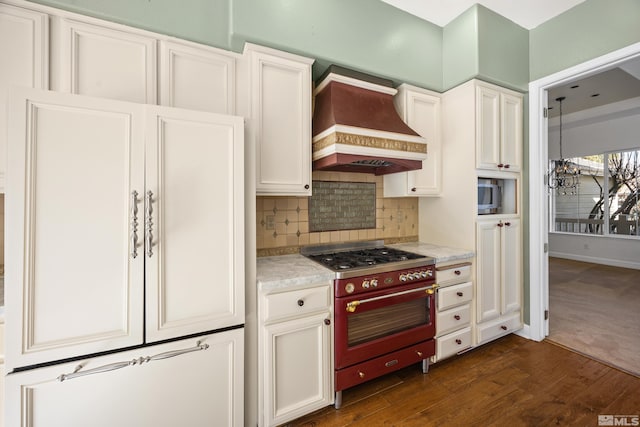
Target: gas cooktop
361,258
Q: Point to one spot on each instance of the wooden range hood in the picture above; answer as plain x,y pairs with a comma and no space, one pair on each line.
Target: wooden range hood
356,127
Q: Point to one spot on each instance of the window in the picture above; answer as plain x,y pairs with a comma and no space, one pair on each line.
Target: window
587,210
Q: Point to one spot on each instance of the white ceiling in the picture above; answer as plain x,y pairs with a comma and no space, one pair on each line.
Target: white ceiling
526,13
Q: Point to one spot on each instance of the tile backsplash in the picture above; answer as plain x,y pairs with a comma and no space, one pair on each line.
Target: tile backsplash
283,222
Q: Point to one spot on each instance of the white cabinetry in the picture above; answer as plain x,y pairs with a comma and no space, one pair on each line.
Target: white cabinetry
474,114
104,62
121,216
197,77
24,48
280,120
453,315
192,382
296,352
420,109
499,276
499,128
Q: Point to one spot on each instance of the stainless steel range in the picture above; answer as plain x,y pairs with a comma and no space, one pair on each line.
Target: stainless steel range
384,309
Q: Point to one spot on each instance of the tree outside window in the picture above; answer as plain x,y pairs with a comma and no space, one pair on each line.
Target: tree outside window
602,206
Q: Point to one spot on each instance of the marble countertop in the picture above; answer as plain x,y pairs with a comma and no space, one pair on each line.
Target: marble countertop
440,253
290,271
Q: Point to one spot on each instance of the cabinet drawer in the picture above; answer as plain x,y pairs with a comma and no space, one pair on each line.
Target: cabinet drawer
499,327
296,302
453,319
452,274
452,296
453,343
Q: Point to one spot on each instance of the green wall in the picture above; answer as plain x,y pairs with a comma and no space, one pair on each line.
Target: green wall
587,31
460,49
202,21
369,36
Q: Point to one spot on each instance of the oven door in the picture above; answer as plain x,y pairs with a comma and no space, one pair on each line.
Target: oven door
376,323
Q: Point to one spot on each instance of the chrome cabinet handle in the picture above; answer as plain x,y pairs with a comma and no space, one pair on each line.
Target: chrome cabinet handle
134,224
77,372
149,221
106,368
168,354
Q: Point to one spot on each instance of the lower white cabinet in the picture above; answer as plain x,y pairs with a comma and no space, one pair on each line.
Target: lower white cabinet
453,309
295,344
191,382
499,277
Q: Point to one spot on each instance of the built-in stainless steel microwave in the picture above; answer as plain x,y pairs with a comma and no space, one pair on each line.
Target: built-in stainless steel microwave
489,196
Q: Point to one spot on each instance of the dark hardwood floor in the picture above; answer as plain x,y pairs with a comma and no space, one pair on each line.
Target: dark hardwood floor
510,382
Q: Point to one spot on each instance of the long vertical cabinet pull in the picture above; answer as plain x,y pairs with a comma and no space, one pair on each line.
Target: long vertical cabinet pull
149,221
134,224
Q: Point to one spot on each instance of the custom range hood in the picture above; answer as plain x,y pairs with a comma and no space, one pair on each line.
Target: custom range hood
356,127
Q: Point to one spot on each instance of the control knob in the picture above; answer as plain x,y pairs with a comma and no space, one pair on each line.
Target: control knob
374,283
403,277
365,284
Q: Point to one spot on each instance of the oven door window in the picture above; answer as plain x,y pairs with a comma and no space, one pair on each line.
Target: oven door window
387,320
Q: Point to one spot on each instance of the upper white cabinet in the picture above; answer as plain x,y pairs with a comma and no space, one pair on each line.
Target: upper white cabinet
197,77
24,49
280,120
499,128
104,62
420,109
116,213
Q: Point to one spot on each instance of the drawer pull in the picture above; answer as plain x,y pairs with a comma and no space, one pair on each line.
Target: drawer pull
458,341
419,353
361,374
460,294
504,328
300,302
327,321
457,272
457,317
391,363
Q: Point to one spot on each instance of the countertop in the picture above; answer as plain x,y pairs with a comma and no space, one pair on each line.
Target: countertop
439,253
291,271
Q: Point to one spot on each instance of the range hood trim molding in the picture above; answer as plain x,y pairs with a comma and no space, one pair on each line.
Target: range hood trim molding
365,152
372,133
332,77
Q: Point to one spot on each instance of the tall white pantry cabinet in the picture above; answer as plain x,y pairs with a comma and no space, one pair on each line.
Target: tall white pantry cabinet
482,137
122,234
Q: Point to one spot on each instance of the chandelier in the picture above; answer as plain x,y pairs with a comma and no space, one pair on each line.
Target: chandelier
564,177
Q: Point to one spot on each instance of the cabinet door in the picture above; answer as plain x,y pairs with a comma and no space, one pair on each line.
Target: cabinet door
421,111
511,132
198,78
73,281
195,222
487,128
488,257
281,122
105,62
511,246
201,384
24,45
297,368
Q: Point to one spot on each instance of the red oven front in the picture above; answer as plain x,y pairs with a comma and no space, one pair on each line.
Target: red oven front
383,330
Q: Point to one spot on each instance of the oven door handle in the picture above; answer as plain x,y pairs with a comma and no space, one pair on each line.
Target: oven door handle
353,305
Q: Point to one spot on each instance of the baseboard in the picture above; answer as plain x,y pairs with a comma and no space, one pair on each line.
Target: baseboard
525,332
597,260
